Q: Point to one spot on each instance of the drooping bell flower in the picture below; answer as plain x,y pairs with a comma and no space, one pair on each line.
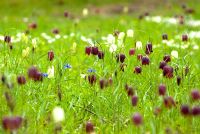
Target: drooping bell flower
12,123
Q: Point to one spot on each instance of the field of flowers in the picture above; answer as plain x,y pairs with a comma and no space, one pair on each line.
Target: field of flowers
105,69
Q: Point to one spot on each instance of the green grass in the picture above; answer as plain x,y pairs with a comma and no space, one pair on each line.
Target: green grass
110,109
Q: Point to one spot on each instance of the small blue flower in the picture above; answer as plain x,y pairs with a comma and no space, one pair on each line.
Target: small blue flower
67,66
90,70
44,75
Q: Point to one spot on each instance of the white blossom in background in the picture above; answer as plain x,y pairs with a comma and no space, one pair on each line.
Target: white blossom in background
51,41
57,36
85,12
50,72
90,41
15,40
125,9
83,76
194,23
195,47
168,42
138,45
25,19
1,38
83,38
174,53
156,19
184,46
72,34
113,48
25,52
87,40
121,36
167,20
58,114
65,36
170,20
45,36
130,33
110,39
194,34
34,42
159,19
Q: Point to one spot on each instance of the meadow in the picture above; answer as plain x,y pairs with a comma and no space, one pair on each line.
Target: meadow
100,67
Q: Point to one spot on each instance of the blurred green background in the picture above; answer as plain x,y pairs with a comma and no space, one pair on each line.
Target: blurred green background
29,7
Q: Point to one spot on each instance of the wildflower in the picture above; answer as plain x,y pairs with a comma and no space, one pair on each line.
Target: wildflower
21,80
174,54
137,70
34,42
167,58
130,33
195,47
113,48
89,128
165,37
139,57
162,64
125,9
178,79
7,39
120,57
131,51
34,74
101,55
138,45
32,25
185,110
88,50
55,31
51,55
157,110
137,119
145,60
168,71
90,70
162,89
24,38
121,36
195,94
44,75
25,52
67,66
58,114
195,110
110,39
92,79
169,101
130,91
134,100
94,50
83,76
12,123
184,37
66,14
102,83
149,48
50,72
85,12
